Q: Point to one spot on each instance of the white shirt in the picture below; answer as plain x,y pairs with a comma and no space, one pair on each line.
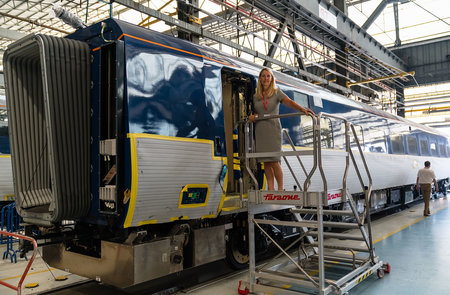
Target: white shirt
426,176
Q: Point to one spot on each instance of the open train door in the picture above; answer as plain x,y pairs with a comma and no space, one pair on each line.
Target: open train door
237,93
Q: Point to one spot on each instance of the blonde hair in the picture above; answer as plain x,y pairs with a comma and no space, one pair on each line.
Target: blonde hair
259,87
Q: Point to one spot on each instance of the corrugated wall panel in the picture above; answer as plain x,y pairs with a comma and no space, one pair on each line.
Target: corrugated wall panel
164,167
430,61
6,179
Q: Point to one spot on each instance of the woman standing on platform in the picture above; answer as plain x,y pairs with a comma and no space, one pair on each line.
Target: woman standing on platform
266,101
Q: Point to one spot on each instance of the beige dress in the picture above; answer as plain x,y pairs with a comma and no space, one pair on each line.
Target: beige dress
268,132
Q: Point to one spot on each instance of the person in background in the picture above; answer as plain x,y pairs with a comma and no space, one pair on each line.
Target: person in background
425,177
266,101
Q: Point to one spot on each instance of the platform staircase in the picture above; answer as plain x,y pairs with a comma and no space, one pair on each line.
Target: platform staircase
318,266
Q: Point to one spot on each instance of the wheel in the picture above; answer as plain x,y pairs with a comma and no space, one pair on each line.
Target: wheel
244,291
237,249
380,273
387,268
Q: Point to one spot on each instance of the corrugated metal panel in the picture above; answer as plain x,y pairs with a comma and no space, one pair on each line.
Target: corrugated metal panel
430,61
47,88
164,167
6,180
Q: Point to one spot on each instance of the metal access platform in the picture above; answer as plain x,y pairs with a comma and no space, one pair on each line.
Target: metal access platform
320,261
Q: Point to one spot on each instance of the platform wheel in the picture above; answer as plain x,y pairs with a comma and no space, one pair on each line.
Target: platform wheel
387,268
380,273
244,291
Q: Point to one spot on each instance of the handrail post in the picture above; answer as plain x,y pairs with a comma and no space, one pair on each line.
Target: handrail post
18,288
307,182
247,161
247,139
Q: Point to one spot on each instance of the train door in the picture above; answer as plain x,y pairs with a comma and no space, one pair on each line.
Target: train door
237,93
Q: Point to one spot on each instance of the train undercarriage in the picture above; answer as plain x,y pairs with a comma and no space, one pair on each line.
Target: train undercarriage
129,257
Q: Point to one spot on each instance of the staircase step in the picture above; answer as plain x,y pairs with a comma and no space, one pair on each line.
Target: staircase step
337,236
325,212
348,248
307,223
232,202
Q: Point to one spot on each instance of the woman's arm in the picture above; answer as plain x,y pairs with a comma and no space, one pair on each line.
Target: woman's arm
293,105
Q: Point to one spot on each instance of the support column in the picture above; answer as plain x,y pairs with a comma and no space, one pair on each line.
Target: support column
400,97
301,64
276,41
188,14
398,42
341,67
341,5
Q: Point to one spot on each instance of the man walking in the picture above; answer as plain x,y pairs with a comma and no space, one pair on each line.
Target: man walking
424,177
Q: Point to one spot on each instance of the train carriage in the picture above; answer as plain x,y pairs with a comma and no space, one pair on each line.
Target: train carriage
128,133
6,182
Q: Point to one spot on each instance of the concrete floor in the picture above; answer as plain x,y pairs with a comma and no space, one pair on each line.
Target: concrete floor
415,246
39,273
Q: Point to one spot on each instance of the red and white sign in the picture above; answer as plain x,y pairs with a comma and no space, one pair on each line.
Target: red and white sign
334,197
282,198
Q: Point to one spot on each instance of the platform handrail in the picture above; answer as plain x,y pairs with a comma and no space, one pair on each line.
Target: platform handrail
317,282
282,153
18,288
349,126
368,191
288,137
317,155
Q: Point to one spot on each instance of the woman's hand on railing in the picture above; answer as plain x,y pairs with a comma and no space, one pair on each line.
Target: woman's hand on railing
307,111
252,118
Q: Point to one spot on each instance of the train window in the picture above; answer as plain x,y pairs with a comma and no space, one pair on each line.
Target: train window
442,150
4,141
424,147
377,140
359,134
306,127
412,145
338,134
326,135
3,122
433,149
301,99
3,116
3,130
397,144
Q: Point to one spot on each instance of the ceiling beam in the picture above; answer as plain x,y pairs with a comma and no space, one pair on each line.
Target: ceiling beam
346,30
378,11
10,34
33,22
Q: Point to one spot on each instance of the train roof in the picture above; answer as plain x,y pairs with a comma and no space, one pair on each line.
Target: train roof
118,29
2,102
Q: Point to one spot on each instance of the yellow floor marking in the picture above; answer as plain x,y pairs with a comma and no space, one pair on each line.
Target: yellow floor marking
31,285
28,274
403,227
61,278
